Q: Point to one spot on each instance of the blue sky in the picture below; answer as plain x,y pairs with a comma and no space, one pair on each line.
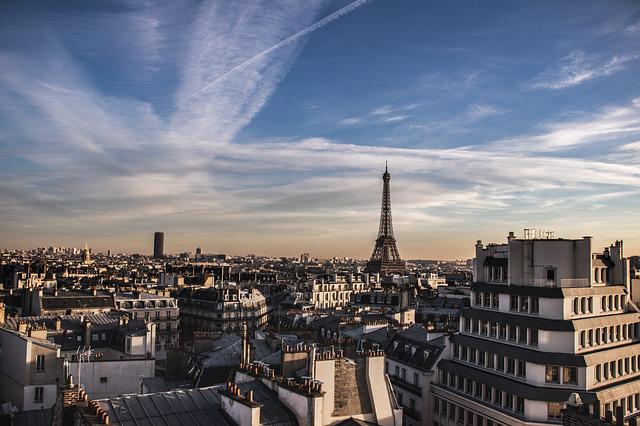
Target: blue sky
263,126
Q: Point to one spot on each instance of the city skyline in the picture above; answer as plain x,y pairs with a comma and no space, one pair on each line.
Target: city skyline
249,128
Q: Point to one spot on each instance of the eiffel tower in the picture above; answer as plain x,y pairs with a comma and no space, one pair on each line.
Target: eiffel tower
385,258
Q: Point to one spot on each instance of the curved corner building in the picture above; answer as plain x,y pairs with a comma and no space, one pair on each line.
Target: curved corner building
548,318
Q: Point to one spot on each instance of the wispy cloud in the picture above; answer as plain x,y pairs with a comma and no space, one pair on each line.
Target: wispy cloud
608,124
482,110
350,121
633,28
577,68
395,118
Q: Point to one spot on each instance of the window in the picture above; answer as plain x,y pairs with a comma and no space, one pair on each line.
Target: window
576,306
477,391
570,375
38,396
486,300
552,374
39,362
157,314
397,371
598,373
399,398
535,305
551,275
503,331
487,392
500,366
495,300
508,401
514,303
416,379
103,380
478,298
533,337
524,304
511,366
128,345
554,410
522,337
497,397
490,363
520,405
522,369
512,332
493,331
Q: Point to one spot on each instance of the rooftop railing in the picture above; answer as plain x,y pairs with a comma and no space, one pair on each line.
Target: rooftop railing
563,283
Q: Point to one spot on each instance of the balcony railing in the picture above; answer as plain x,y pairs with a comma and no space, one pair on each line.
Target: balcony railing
563,283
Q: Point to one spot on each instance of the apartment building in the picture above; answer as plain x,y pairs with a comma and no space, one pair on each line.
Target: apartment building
106,353
161,310
548,317
39,301
333,291
410,359
222,308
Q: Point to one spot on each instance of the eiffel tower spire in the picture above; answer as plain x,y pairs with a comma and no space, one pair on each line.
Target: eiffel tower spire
385,257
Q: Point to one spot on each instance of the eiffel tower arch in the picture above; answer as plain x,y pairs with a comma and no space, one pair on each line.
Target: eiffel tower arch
385,258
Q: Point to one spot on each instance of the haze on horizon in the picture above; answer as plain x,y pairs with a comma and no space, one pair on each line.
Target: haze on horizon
121,118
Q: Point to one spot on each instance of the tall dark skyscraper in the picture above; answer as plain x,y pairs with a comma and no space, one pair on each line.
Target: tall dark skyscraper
385,258
158,245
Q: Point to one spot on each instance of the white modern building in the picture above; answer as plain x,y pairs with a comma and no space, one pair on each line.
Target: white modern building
547,318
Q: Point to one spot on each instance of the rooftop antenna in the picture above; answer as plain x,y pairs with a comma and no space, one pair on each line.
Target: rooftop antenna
85,352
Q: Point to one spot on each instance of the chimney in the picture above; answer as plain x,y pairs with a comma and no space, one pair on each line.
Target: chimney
511,236
86,325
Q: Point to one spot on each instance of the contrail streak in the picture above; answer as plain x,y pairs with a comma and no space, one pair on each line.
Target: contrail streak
321,23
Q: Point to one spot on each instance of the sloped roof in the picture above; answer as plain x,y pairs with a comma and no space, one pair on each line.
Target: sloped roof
273,411
180,407
413,349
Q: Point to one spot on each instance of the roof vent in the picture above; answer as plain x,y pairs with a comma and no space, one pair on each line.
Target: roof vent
575,400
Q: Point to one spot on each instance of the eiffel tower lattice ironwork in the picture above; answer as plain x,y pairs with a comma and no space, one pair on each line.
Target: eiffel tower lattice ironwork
385,258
